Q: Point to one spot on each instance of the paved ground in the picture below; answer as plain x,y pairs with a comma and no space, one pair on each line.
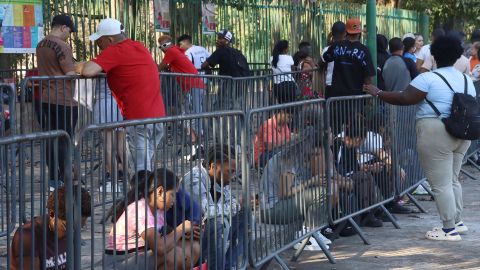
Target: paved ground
406,248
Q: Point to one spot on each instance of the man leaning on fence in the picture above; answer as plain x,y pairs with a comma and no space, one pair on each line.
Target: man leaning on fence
57,110
133,78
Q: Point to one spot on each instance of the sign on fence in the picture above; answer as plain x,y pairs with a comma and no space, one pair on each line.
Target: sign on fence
21,25
162,15
209,22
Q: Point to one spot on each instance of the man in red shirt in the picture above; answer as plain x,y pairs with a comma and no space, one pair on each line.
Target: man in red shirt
193,86
133,78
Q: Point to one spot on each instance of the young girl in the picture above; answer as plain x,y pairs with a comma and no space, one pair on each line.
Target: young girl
141,228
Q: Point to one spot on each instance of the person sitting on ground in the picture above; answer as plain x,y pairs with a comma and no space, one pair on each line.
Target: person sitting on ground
146,234
29,244
271,136
346,151
222,213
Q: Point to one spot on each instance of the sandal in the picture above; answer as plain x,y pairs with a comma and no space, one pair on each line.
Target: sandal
440,235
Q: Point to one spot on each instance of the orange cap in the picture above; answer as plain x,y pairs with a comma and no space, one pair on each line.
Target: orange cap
354,26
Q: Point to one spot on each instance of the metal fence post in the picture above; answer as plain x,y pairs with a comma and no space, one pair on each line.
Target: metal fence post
372,32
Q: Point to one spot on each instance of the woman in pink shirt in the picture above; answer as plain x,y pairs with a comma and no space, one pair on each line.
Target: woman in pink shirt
140,228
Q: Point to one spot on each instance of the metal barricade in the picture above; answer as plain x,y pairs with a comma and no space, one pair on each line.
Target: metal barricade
471,158
212,195
287,178
44,218
404,145
194,93
7,115
364,170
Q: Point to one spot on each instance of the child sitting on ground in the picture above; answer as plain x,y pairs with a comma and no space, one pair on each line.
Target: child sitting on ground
140,228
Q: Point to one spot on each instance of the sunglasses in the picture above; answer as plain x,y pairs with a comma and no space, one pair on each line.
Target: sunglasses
165,45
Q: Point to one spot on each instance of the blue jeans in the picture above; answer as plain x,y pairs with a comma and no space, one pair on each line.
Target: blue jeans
214,242
194,105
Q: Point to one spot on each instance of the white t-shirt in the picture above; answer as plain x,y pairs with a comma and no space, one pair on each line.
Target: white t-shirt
197,55
424,52
328,77
372,144
438,92
284,65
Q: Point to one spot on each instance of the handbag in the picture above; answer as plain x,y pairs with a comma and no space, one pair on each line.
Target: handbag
464,120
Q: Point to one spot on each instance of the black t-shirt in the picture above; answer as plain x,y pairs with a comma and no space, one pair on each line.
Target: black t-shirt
346,159
225,58
49,260
353,63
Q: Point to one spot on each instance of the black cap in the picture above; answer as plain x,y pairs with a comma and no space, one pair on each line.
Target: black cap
63,19
338,28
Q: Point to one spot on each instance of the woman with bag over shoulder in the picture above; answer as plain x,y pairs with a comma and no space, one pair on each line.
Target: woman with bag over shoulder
440,153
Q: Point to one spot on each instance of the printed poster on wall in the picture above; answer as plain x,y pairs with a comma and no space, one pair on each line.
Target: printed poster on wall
21,25
209,23
162,15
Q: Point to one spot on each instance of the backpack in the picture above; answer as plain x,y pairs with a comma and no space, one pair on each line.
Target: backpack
241,63
464,120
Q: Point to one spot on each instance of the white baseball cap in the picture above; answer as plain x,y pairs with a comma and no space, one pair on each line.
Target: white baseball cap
107,27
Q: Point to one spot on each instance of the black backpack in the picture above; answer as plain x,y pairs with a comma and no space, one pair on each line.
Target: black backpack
240,63
464,120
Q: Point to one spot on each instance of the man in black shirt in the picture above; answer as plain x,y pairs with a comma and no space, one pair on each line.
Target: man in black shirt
353,63
231,61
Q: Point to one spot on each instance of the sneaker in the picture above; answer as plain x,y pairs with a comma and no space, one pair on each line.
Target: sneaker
460,227
348,231
440,235
305,230
397,208
311,245
330,234
54,184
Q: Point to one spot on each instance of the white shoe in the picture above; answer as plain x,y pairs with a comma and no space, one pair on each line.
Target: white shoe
305,230
440,235
460,227
312,245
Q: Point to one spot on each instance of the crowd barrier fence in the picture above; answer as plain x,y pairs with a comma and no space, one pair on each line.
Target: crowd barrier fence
26,196
287,177
212,195
343,157
7,117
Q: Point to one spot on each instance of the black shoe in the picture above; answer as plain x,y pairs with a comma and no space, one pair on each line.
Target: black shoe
348,231
330,234
371,221
396,208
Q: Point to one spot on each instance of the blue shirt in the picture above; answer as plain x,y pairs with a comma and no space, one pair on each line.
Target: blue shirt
411,56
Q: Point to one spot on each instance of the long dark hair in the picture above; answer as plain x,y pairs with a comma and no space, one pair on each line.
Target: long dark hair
146,182
279,48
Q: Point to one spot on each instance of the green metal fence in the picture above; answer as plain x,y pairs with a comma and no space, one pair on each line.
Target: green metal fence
257,24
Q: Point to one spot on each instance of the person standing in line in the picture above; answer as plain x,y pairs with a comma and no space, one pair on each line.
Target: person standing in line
284,86
351,70
382,56
424,53
305,48
399,71
58,108
133,78
196,54
418,44
409,49
440,153
231,63
474,61
338,34
194,87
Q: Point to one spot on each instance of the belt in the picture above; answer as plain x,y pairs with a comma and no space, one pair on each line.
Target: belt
123,252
